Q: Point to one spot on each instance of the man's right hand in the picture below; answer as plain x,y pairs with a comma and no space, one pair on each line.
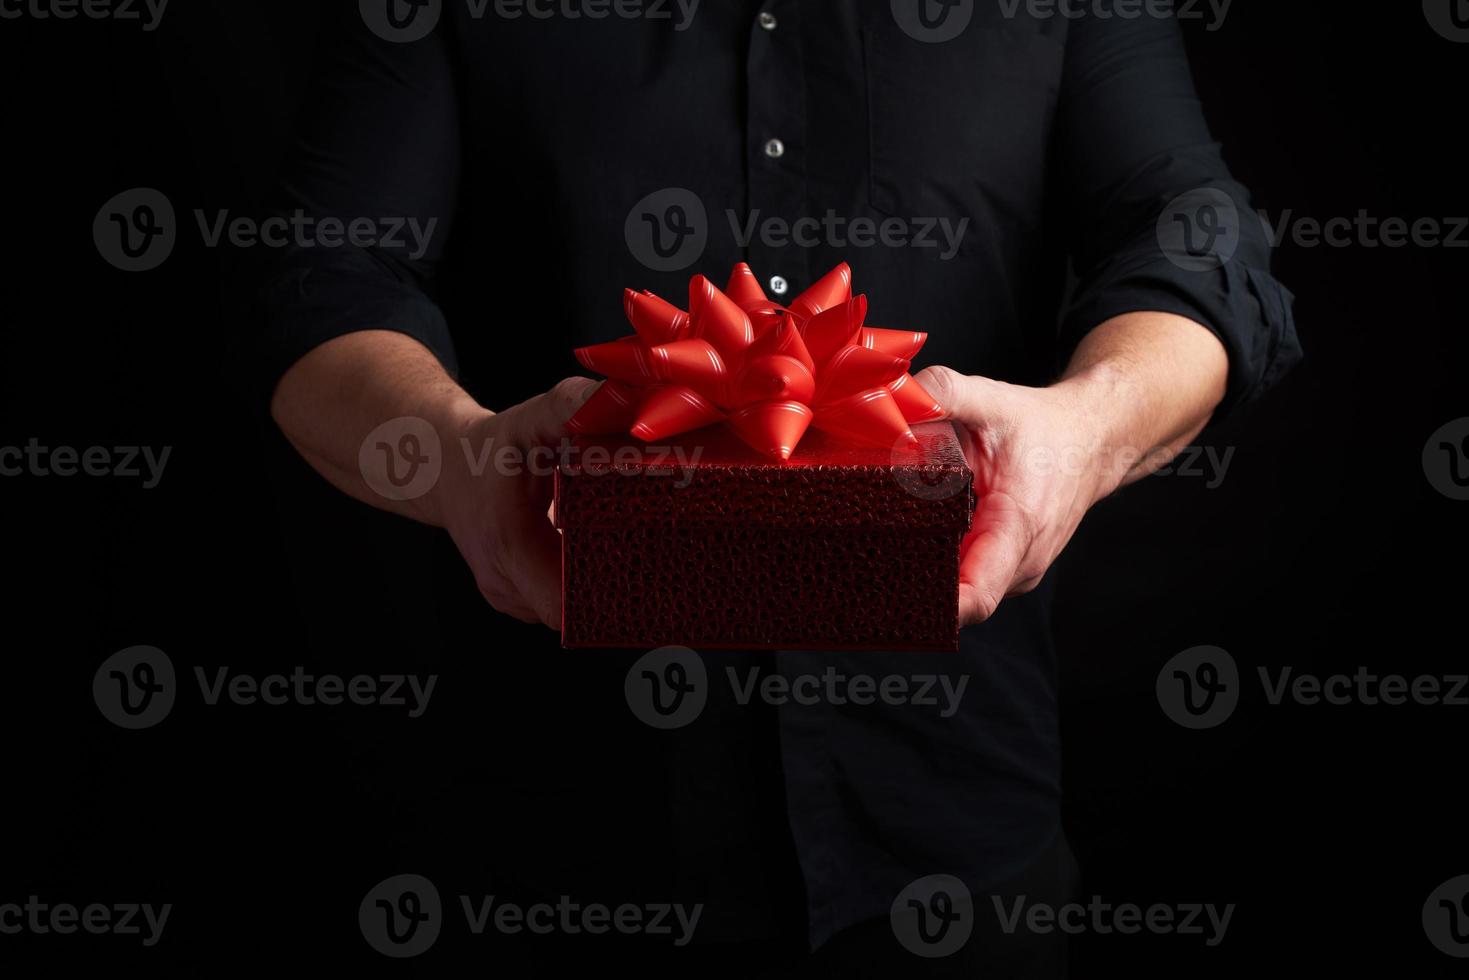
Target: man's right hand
499,518
334,397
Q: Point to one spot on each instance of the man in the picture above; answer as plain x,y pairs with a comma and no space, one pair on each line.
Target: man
990,149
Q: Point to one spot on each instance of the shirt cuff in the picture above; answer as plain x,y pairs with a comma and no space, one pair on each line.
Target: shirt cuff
313,298
1245,307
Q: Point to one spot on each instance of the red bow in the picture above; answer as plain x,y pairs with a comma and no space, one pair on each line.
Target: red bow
769,371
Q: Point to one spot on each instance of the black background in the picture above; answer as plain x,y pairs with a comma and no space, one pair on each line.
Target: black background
1324,548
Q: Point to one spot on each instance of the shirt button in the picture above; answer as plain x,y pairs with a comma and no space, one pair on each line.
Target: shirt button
775,149
767,20
778,285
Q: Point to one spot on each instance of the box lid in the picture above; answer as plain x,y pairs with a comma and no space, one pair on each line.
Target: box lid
711,478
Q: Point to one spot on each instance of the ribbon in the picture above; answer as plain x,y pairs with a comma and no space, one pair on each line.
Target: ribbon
767,371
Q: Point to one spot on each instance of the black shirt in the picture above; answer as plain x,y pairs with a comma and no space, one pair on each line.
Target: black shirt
1006,189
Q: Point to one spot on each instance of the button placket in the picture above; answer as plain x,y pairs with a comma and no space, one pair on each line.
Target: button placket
774,131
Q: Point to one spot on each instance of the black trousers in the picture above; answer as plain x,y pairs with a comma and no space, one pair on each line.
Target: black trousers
867,949
871,949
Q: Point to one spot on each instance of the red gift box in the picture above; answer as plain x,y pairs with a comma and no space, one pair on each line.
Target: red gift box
728,523
702,542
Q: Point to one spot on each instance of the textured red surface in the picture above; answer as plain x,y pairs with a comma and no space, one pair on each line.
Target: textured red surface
842,547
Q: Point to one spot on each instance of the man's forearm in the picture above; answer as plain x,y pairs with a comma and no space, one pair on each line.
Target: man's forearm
330,400
1148,384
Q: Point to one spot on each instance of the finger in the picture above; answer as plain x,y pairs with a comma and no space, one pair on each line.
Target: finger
994,551
1026,585
535,550
504,597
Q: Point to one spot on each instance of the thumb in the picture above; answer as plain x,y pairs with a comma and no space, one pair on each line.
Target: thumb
541,421
957,394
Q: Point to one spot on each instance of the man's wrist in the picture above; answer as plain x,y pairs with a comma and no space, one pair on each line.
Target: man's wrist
459,421
1102,400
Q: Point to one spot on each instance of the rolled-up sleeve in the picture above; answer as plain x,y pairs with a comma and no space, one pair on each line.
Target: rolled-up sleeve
378,146
1156,222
